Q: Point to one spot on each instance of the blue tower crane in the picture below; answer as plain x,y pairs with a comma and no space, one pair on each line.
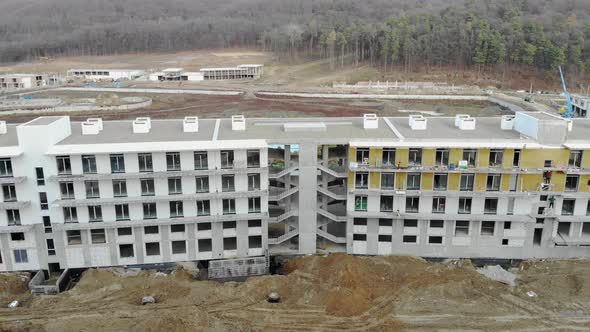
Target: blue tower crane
569,111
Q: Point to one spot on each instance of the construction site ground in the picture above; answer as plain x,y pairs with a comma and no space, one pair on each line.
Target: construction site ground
329,293
214,106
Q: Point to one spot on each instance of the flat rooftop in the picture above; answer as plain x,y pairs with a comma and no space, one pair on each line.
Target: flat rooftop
580,130
10,138
42,121
300,130
444,128
122,132
329,130
5,75
337,129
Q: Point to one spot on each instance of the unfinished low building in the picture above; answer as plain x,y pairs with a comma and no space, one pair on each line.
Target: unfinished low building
581,106
233,73
105,74
134,193
176,74
25,81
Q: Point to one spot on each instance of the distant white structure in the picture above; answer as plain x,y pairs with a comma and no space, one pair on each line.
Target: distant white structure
581,106
229,73
233,73
105,74
176,74
25,81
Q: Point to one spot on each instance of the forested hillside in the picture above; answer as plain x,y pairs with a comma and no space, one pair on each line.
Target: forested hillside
406,33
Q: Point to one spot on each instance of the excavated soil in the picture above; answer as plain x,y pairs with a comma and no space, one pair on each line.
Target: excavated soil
329,293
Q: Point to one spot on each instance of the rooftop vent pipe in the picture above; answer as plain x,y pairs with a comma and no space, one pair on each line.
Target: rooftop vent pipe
370,121
142,125
190,124
507,122
238,122
418,122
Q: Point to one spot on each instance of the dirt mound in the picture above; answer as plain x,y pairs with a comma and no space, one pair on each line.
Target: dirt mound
102,284
14,286
335,292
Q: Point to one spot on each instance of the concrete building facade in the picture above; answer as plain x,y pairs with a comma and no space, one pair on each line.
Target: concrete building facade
25,81
105,74
155,191
581,106
222,73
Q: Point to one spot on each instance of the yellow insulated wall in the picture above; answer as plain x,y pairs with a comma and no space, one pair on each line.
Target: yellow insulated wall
402,156
427,180
505,183
400,180
374,155
351,154
586,159
455,155
481,181
558,181
535,158
483,158
454,181
350,179
508,158
375,180
530,182
428,157
584,187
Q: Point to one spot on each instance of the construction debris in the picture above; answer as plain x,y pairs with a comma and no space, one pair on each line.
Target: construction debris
148,300
125,272
497,273
273,297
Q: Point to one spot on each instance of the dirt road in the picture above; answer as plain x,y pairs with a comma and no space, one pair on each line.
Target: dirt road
332,293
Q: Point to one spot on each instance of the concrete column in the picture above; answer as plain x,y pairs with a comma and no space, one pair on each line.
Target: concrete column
7,253
242,237
111,240
139,245
307,198
165,243
87,241
191,248
41,245
217,240
325,152
372,236
60,247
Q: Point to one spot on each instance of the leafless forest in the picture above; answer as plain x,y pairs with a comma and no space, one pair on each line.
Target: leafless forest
483,33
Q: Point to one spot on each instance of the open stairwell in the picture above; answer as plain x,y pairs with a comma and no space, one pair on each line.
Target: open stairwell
284,216
284,237
330,215
283,172
331,194
332,172
283,194
331,237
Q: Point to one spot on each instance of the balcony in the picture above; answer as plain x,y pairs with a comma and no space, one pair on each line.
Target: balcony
145,199
138,175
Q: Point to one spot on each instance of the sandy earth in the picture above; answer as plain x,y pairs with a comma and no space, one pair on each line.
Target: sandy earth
205,106
336,292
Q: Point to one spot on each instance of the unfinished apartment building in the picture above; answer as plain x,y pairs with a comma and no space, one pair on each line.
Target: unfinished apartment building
145,192
25,81
581,106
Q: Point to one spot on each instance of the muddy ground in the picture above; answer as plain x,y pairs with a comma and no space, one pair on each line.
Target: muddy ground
336,292
211,106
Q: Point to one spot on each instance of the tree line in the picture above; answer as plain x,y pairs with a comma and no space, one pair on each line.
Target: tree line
543,34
